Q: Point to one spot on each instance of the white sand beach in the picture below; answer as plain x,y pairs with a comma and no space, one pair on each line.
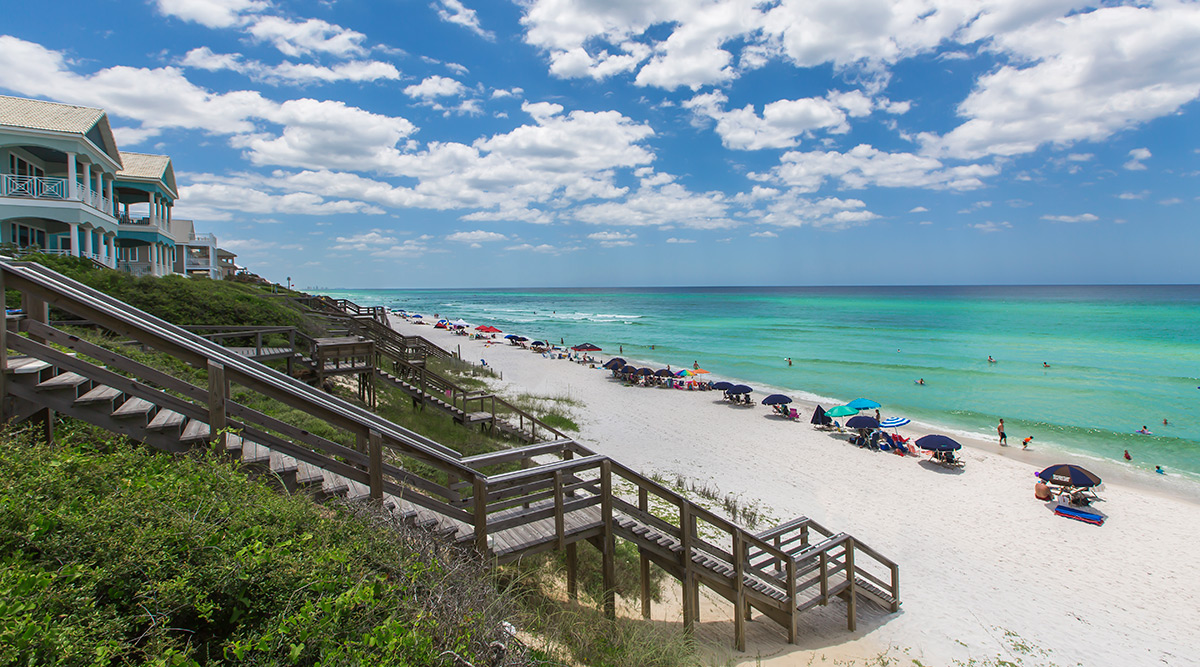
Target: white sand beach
980,557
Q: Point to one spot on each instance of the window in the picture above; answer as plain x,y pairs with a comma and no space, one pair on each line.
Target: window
19,166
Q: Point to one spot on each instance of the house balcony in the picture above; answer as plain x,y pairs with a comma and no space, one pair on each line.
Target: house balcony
52,189
206,239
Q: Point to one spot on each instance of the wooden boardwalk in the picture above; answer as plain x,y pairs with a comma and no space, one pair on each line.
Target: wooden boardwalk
562,494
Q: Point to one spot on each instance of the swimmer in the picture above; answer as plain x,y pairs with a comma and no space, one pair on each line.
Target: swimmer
991,360
1144,431
1127,456
1045,365
1159,470
921,381
1164,422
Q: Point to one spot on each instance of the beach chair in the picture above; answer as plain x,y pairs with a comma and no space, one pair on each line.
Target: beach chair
793,414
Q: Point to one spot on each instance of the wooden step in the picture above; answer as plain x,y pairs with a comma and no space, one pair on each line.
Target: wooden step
61,381
166,419
134,407
254,453
99,394
25,365
195,432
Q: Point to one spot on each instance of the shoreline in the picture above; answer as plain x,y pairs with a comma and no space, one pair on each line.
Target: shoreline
1172,485
980,557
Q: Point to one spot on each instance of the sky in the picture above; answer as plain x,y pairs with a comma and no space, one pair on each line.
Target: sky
561,143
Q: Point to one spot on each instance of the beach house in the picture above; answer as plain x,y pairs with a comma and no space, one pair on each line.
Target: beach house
146,245
58,173
65,188
199,254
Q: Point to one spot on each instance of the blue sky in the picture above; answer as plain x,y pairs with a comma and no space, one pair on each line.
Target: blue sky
462,143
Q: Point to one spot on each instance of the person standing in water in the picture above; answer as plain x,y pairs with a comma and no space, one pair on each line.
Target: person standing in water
1127,456
1003,436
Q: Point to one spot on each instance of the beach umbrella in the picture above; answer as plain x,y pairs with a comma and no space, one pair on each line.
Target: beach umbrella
520,339
723,386
645,371
938,443
863,404
894,422
740,389
615,362
776,399
511,336
841,411
419,316
684,373
586,347
538,343
862,421
819,417
701,371
1068,475
664,373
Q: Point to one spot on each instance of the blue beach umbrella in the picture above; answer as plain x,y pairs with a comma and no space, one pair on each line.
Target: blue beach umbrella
863,404
740,389
776,399
841,411
511,336
723,385
862,421
893,422
938,443
1068,475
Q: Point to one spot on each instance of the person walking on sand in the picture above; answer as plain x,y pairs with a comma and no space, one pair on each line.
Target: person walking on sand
1003,436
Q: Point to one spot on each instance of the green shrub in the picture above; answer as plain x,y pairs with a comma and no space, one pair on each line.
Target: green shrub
115,555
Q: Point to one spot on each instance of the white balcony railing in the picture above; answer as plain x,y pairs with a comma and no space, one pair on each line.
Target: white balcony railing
34,187
204,238
45,187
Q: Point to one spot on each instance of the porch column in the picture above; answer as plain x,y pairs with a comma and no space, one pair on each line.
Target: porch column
212,262
87,183
74,236
112,250
108,195
152,213
169,208
87,242
72,187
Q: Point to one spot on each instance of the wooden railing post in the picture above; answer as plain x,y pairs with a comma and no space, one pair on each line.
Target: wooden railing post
644,505
375,441
560,524
610,541
852,593
895,587
824,577
739,591
685,536
793,613
218,391
479,502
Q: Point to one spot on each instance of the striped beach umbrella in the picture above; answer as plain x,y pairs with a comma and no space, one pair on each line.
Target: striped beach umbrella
893,422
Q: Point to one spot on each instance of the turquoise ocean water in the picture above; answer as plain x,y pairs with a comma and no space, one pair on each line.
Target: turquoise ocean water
1120,356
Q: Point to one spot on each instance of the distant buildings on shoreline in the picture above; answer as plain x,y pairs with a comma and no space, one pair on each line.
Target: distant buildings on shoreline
66,189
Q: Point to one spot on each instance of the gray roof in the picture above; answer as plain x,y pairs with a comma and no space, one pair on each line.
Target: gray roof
89,122
146,167
39,115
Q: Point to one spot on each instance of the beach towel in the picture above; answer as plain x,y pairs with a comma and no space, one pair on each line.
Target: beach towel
1080,515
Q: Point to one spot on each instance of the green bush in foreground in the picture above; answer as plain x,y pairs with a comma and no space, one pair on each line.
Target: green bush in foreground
128,557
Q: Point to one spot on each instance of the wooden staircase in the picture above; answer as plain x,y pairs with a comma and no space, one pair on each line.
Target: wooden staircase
561,495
